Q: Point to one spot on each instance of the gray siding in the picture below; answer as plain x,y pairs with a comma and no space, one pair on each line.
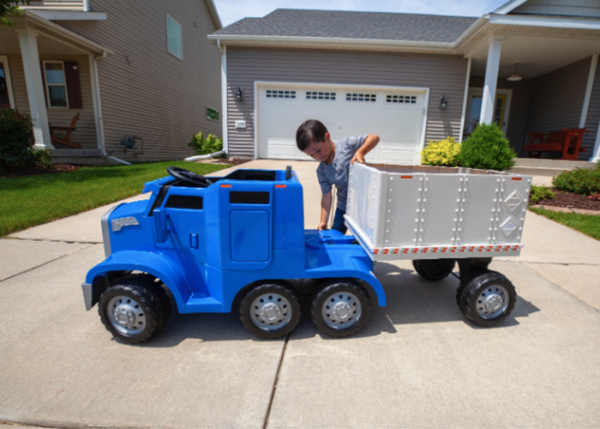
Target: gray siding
587,8
593,118
146,91
557,98
442,74
519,107
85,134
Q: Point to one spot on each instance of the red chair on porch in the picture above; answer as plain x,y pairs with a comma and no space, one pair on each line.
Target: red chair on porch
66,140
567,141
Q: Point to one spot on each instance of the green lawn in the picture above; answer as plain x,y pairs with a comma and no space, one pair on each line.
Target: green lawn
587,224
34,200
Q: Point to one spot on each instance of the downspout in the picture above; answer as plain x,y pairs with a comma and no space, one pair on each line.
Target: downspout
224,113
100,118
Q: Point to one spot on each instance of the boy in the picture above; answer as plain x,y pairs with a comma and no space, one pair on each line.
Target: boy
313,139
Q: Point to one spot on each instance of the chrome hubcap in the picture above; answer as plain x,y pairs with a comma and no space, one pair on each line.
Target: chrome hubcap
492,302
341,311
126,316
271,311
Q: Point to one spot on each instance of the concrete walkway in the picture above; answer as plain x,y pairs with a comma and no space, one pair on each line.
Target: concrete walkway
417,363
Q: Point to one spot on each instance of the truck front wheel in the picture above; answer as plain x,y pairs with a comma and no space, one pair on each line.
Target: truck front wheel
340,308
270,311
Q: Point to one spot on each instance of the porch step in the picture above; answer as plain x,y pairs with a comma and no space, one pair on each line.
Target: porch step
79,157
547,167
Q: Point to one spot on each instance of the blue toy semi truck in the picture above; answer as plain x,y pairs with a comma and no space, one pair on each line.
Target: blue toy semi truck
215,244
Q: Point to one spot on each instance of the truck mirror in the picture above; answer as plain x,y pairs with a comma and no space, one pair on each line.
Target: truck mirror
288,172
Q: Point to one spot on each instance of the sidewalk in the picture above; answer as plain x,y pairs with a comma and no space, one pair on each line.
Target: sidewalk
417,363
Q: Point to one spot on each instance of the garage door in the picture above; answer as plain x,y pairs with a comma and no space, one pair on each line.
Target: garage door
396,115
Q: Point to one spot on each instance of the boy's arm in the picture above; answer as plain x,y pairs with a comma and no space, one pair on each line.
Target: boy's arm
368,145
325,208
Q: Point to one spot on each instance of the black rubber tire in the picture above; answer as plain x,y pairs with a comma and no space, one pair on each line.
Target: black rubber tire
325,292
155,285
463,284
145,298
478,285
267,288
434,269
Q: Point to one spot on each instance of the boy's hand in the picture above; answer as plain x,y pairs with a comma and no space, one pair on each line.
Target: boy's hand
358,156
322,226
368,145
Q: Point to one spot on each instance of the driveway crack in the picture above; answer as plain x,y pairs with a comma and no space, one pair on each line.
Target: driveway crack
273,390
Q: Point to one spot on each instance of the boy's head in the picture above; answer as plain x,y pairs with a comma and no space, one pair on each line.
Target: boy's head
313,139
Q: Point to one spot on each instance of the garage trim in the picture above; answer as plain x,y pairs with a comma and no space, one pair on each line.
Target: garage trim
258,83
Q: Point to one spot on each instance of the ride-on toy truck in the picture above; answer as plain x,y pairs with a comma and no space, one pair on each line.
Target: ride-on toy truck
211,244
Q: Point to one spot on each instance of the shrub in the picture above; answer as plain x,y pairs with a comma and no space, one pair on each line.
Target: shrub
487,149
16,143
538,193
205,146
441,153
579,181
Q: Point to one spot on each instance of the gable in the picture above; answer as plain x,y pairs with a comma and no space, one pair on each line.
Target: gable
578,8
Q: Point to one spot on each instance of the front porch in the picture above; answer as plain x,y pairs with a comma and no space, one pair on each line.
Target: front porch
50,74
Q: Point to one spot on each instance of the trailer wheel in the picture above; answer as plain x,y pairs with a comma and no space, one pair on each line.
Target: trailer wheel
130,311
434,269
488,298
340,308
270,311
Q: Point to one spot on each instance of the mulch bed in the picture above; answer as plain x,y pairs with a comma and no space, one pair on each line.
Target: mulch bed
58,168
576,201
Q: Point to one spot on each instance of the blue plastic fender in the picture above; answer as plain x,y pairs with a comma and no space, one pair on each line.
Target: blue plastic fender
158,265
364,273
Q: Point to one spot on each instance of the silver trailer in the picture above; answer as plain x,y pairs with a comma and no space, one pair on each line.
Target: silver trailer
437,216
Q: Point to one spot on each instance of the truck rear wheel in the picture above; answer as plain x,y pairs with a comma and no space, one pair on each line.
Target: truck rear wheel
340,308
433,269
270,311
130,311
488,298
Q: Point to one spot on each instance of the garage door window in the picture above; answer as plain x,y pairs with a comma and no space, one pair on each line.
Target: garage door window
411,99
273,93
314,95
361,97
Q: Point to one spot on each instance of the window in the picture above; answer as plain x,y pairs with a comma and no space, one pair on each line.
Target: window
56,84
174,42
361,97
411,99
272,93
212,114
314,95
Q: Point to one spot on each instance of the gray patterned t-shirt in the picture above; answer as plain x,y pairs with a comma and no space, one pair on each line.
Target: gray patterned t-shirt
338,171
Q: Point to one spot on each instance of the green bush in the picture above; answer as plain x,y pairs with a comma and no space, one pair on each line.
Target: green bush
487,149
205,146
441,153
16,143
538,193
579,181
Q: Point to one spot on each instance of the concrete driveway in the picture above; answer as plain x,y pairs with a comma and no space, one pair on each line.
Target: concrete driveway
417,363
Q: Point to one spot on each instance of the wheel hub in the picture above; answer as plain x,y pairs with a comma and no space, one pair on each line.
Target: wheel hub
126,315
271,312
341,310
493,303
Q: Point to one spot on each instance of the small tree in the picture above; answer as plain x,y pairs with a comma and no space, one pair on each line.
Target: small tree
10,7
16,143
205,146
487,149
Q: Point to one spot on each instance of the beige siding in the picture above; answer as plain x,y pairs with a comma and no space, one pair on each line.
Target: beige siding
557,98
442,74
85,134
593,118
146,91
587,8
519,107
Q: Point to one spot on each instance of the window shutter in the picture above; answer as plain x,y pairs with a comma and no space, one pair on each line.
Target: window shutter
44,82
73,84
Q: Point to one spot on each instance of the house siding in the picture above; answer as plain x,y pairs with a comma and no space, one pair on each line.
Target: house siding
70,5
442,74
557,99
85,134
587,8
519,106
592,119
145,90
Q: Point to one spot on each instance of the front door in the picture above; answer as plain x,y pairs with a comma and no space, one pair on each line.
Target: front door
4,83
501,109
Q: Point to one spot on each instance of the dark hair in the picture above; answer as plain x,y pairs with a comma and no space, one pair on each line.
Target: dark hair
309,132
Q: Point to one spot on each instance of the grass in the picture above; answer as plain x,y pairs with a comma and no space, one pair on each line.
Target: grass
33,200
587,224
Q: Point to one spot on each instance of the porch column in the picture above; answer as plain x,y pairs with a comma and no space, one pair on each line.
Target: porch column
35,87
596,156
491,79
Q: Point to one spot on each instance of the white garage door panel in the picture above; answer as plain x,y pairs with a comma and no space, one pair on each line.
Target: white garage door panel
399,124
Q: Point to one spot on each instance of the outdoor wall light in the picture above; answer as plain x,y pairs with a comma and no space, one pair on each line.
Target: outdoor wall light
443,103
515,77
238,94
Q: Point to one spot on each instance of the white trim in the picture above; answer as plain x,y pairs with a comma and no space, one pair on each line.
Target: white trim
479,91
86,5
258,83
47,85
596,155
535,21
588,90
181,34
11,96
214,13
491,79
509,7
224,104
70,15
95,96
465,101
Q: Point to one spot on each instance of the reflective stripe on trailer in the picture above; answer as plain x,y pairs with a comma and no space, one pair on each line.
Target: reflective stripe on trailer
448,249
